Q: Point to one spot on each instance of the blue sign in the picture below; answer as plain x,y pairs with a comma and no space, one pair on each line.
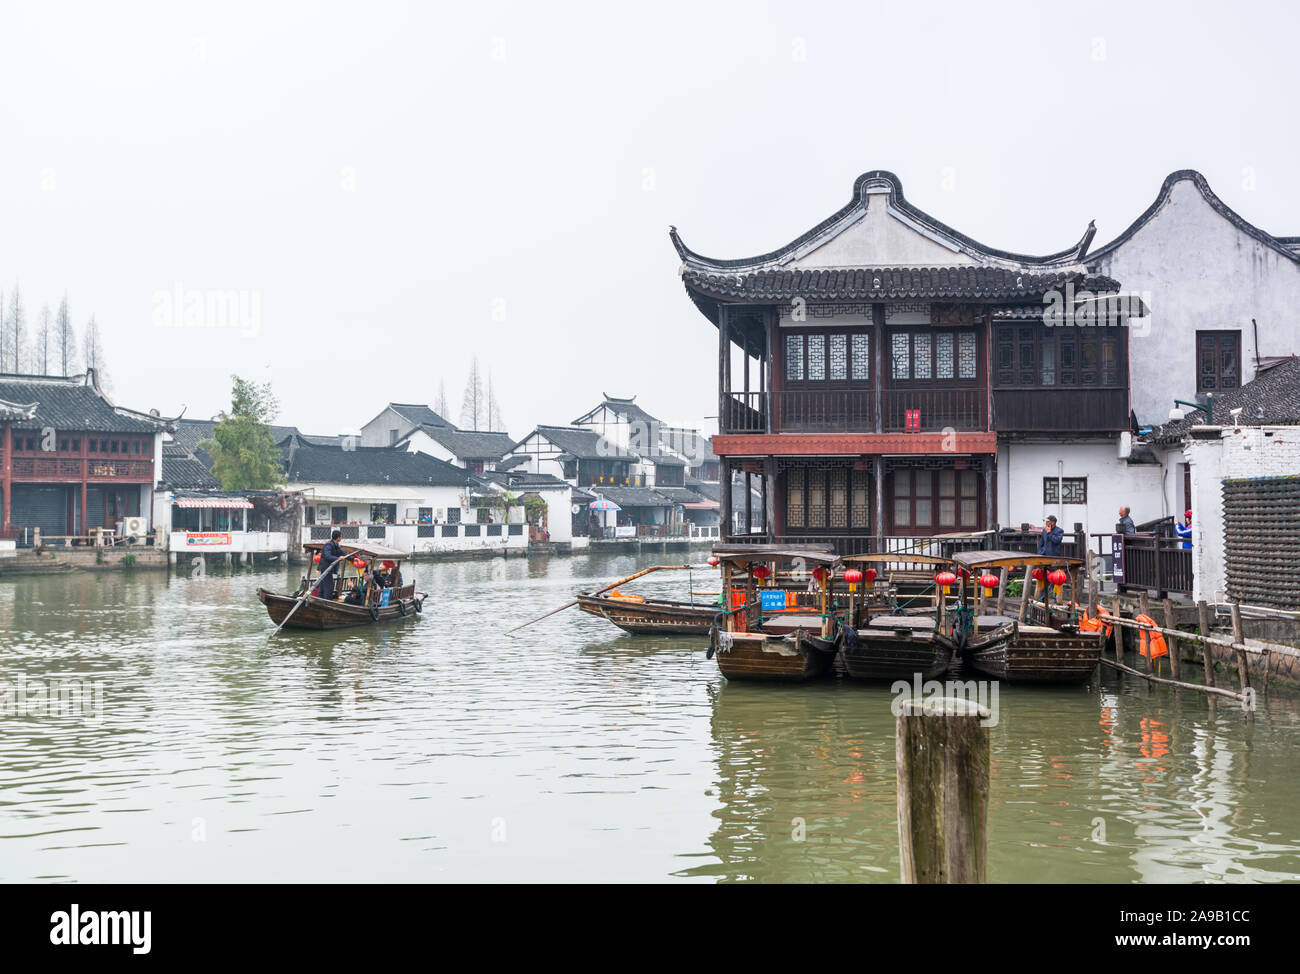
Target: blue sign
772,599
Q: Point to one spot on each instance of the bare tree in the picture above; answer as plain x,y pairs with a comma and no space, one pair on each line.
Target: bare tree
92,352
44,335
65,340
17,332
440,405
473,404
493,409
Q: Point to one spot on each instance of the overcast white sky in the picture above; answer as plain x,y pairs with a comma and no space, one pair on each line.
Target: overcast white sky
382,177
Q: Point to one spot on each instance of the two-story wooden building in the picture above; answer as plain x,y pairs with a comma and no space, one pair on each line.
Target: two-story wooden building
869,370
71,460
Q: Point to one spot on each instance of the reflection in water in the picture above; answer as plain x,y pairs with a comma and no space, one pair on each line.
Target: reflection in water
443,750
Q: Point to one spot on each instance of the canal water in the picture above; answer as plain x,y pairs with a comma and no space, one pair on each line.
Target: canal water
441,749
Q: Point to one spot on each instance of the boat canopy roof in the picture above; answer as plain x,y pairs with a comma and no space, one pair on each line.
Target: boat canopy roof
743,553
1012,559
360,548
896,558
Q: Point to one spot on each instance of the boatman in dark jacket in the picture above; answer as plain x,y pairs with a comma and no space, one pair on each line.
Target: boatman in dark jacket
1049,542
1126,525
331,556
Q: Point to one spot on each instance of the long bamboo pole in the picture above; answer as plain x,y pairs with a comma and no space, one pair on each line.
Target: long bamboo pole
1178,683
621,581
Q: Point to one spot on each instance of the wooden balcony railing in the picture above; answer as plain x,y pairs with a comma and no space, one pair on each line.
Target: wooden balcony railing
854,410
41,468
934,410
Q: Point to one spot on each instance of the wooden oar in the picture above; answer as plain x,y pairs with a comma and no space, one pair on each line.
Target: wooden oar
303,598
621,581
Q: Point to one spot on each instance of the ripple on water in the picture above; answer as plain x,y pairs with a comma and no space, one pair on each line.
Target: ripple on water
443,749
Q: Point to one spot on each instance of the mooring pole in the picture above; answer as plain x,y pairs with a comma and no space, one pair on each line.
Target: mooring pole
1243,668
1173,643
1144,608
1203,621
942,755
1119,630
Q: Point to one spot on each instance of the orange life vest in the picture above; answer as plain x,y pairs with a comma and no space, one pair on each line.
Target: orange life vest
1088,624
1157,647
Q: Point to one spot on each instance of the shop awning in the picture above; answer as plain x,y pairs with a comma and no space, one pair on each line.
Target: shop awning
223,502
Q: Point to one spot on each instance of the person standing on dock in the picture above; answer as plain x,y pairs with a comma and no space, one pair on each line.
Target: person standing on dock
1126,525
330,556
1049,541
1184,530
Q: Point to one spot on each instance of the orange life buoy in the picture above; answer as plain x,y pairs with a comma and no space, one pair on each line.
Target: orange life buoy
616,594
1156,647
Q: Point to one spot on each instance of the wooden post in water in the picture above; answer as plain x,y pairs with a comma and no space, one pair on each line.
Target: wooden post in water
1203,621
1144,608
1092,587
1173,643
1119,630
1243,668
1002,589
942,754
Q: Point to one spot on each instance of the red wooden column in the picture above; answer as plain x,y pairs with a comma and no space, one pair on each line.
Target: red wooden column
85,471
7,472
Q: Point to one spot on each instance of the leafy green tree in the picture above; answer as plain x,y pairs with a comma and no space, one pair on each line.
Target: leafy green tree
244,456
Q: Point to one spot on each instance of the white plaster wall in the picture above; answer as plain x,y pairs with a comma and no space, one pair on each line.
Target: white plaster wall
1202,273
1246,452
1111,482
882,238
439,498
421,442
375,432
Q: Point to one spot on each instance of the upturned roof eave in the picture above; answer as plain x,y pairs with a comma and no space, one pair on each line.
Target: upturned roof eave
851,211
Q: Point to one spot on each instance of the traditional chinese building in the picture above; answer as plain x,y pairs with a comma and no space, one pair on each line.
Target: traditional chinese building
71,460
870,370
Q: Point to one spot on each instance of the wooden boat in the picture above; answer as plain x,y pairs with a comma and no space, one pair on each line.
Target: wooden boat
650,616
897,648
399,602
886,642
1031,653
646,616
795,641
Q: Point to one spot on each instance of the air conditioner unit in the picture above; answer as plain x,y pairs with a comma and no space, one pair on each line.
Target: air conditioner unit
133,527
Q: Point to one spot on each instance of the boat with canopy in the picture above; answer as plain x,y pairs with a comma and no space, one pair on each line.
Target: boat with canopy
1046,646
777,620
369,586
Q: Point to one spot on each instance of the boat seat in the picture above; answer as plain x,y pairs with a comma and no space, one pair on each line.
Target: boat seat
789,621
903,622
1038,630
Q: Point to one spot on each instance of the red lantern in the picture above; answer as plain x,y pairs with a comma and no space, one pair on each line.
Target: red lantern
1038,574
853,576
945,580
388,566
714,561
358,563
819,573
870,576
1058,578
315,559
761,572
990,582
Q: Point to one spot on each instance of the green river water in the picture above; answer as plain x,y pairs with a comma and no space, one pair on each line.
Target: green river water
440,749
